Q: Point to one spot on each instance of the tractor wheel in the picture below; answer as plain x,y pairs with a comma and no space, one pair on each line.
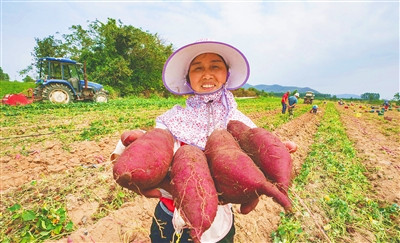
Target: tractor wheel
57,94
100,97
37,93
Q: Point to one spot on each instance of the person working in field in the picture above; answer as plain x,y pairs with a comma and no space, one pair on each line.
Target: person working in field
386,105
292,103
206,71
284,101
314,109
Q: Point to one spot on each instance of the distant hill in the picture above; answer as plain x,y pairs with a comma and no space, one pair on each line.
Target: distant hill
348,96
275,88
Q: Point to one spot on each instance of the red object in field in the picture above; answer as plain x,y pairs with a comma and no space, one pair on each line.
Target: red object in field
17,99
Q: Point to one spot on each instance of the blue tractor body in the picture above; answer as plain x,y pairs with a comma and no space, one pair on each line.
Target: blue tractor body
61,80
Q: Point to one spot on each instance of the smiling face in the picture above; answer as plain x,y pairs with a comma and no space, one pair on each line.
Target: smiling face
207,73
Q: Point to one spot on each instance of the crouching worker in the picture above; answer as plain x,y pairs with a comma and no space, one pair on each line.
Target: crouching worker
314,109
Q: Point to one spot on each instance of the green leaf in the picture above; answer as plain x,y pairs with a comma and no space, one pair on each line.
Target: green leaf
28,215
57,230
6,240
14,207
45,211
43,224
121,194
43,233
69,226
61,211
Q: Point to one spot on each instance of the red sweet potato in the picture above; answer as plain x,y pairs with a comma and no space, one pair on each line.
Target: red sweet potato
128,137
267,151
291,146
193,191
236,177
144,163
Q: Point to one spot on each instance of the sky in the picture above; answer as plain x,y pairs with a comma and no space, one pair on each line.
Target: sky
335,47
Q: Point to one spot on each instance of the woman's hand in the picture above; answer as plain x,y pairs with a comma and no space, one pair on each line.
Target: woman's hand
129,137
149,193
125,182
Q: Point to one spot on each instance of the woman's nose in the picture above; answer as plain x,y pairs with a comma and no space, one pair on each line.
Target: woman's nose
207,76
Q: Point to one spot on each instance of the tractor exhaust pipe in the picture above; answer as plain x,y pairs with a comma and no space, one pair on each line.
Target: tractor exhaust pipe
84,75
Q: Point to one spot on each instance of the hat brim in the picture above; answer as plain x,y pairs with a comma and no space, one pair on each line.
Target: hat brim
176,67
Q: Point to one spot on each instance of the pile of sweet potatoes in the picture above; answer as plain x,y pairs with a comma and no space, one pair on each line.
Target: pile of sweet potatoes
237,166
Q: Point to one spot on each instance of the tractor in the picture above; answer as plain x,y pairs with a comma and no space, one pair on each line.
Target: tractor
61,81
309,97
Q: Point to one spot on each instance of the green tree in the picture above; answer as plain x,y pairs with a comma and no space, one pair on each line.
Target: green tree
121,56
370,96
396,98
79,41
4,76
28,79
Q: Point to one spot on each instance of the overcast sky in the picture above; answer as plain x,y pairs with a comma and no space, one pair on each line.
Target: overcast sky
334,47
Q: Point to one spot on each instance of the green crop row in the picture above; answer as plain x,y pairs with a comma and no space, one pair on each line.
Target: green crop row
332,181
78,121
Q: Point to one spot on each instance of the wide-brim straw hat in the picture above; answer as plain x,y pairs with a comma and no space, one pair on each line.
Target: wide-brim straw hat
177,66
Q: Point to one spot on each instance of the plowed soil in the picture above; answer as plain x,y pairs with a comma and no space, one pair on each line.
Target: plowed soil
377,140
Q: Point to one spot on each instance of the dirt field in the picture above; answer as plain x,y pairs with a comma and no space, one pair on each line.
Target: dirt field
131,223
379,150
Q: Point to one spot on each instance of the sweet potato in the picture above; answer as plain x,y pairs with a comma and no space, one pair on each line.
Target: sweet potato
236,177
144,163
194,191
291,146
130,136
266,150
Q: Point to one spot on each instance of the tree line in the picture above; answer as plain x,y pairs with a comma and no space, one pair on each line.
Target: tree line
125,59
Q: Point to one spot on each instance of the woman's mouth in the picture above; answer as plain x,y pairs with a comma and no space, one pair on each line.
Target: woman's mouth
208,86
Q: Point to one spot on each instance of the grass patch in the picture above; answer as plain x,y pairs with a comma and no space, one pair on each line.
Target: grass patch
14,87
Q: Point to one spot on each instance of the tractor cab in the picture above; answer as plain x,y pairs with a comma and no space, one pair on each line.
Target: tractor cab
60,69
